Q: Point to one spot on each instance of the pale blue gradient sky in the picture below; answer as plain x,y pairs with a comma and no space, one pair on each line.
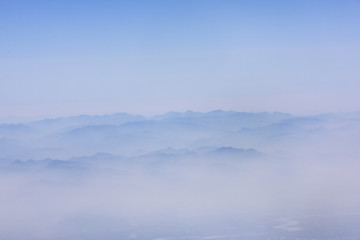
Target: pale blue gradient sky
71,57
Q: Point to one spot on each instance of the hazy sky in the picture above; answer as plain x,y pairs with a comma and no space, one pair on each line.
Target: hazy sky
147,57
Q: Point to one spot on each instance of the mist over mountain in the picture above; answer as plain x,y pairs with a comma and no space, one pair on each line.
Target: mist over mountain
179,120
181,175
126,134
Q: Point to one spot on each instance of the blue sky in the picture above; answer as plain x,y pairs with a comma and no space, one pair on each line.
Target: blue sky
72,57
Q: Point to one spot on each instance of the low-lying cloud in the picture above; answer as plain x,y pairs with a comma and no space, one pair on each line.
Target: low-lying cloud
217,175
